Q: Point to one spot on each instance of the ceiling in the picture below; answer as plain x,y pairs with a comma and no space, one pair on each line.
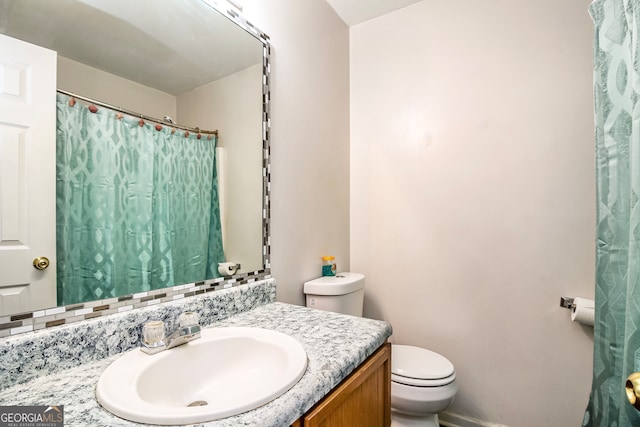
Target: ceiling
354,12
108,36
133,39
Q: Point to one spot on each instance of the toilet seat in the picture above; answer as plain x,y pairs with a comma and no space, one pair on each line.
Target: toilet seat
422,383
419,367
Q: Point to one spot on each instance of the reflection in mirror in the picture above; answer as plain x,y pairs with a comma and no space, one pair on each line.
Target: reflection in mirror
185,60
137,204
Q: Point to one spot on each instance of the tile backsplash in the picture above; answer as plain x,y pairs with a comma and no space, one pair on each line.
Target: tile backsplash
56,316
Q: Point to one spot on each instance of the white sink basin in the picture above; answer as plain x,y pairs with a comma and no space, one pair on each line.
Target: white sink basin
226,372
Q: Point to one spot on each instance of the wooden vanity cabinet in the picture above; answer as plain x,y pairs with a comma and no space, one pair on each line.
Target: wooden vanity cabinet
363,399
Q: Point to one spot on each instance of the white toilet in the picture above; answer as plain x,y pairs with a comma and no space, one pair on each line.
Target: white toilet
422,381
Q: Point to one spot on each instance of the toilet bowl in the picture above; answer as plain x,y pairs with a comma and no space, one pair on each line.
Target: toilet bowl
422,381
422,385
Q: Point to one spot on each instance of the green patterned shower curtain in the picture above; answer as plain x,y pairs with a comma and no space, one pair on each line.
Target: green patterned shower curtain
137,206
617,116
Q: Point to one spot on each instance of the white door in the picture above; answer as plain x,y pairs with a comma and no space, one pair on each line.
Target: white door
27,175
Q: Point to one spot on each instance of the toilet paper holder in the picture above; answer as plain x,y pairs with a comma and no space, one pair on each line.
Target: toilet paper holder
567,302
228,269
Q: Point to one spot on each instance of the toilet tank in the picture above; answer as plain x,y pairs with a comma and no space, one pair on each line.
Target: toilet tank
342,293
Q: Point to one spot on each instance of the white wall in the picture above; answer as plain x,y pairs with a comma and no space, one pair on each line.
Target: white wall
473,195
111,89
310,138
233,106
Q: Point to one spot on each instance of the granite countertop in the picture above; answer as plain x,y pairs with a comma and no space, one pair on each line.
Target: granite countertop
335,344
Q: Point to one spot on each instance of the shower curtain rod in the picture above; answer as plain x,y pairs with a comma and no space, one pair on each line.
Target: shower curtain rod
134,114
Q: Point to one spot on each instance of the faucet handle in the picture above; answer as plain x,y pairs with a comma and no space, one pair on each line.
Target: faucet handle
153,333
188,318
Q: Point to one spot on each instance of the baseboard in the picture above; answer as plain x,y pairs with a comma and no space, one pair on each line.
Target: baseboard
448,419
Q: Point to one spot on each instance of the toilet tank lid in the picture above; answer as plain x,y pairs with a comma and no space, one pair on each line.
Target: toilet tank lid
419,363
340,284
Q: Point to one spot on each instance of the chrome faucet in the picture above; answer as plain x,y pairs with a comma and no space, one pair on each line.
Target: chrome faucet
154,339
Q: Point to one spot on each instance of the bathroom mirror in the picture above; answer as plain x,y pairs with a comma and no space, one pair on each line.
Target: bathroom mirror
172,49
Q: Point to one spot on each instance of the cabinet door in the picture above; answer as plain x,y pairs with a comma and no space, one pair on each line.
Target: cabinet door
361,400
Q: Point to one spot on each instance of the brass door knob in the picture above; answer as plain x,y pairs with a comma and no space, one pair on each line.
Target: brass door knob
41,262
633,389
